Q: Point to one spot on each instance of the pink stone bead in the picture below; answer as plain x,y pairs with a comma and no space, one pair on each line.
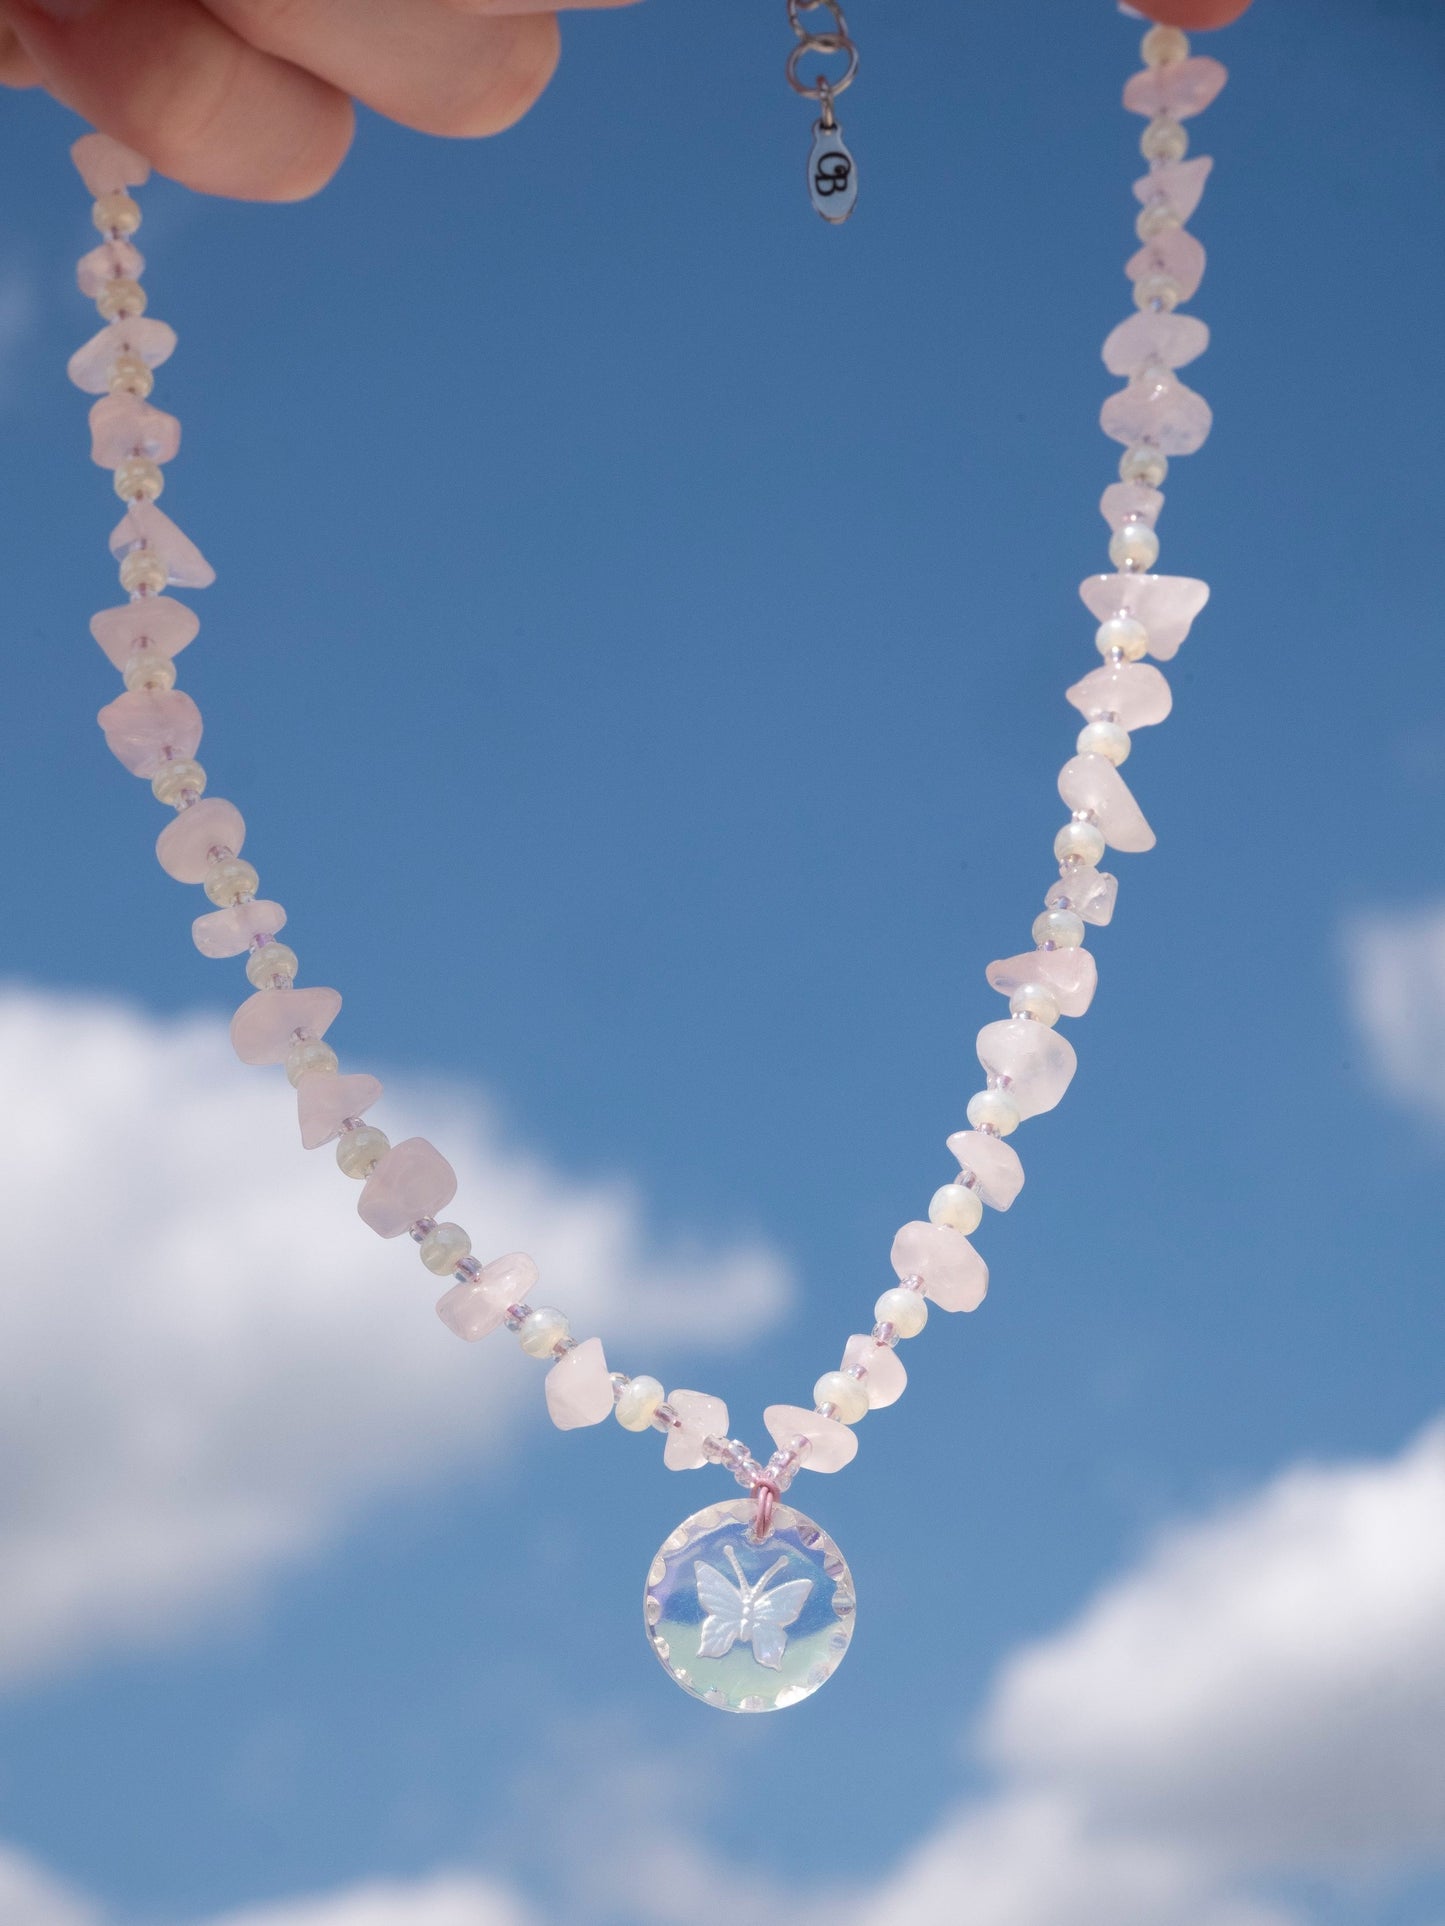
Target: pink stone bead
124,425
1180,183
834,1444
1124,502
108,166
325,1101
955,1277
231,932
145,526
1175,339
1165,604
1090,893
886,1380
144,728
413,1180
579,1387
1038,1063
1092,783
1183,88
1072,975
111,261
184,847
268,1023
90,366
994,1166
702,1417
1134,693
151,620
474,1310
1157,407
1177,253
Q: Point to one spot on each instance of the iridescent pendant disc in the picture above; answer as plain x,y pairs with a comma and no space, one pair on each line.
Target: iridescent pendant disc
749,1625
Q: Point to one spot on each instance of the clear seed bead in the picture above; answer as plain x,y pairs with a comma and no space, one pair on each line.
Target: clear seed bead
637,1404
129,375
121,298
1157,218
905,1311
308,1055
143,572
541,1331
138,479
994,1110
149,669
1083,842
1164,47
1109,739
1164,139
1057,929
359,1151
116,214
957,1206
263,966
174,781
1134,546
1034,1000
230,881
846,1396
1144,463
444,1247
1157,290
1124,633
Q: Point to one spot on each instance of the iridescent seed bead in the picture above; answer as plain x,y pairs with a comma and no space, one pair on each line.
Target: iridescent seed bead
129,375
143,572
1082,842
121,298
358,1152
1134,546
309,1054
149,669
994,1111
1164,139
443,1248
1036,1001
1143,462
1109,739
272,966
174,781
138,479
1124,633
116,214
541,1331
637,1402
230,881
1157,290
1164,47
848,1398
955,1205
1058,930
1156,218
906,1311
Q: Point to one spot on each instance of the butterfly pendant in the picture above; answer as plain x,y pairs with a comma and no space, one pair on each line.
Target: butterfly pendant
747,1614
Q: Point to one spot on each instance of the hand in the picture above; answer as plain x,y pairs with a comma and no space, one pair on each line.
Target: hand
1194,13
252,98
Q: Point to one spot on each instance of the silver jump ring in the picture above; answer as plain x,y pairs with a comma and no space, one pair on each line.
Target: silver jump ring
822,43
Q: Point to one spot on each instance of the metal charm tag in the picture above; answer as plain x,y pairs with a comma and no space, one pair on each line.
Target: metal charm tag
832,174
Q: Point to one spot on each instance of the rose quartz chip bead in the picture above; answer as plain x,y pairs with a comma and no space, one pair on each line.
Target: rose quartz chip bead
699,1417
92,365
124,425
151,621
1133,694
1037,1062
1165,605
1125,502
831,1445
1182,89
884,1378
231,932
413,1180
1158,408
1180,184
145,526
1177,256
1092,786
1071,974
108,166
579,1387
198,837
1173,339
991,1166
326,1101
268,1023
143,729
954,1276
476,1306
115,260
1091,893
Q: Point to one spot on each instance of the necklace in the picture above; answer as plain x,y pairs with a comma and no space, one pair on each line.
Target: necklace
748,1604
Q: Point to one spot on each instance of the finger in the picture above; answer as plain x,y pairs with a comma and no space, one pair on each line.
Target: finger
418,62
170,80
17,69
1194,13
531,6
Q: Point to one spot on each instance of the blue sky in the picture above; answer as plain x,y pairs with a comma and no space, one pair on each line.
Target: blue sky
638,650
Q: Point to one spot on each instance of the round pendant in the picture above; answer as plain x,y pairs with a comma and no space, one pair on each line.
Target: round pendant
744,1624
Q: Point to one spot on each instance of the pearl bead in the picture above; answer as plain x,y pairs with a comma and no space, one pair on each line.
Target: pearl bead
1082,840
637,1404
541,1331
1157,218
957,1206
174,779
994,1110
1109,739
1144,463
121,298
906,1311
116,214
138,480
1125,633
263,966
149,669
143,572
1160,289
307,1055
1164,47
359,1151
846,1395
129,375
1035,1000
230,881
444,1247
1134,546
1164,139
1060,928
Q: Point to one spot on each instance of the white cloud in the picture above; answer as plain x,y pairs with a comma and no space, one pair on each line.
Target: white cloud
436,1902
1397,984
207,1363
31,1897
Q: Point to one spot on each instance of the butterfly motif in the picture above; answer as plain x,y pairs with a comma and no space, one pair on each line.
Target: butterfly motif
748,1612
